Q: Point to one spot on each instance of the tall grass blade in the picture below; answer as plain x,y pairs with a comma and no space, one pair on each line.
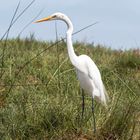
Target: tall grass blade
24,10
57,49
7,34
30,22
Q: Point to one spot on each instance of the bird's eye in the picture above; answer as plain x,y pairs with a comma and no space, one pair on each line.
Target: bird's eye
54,16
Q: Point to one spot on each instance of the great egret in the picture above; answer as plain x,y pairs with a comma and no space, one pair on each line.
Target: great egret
87,72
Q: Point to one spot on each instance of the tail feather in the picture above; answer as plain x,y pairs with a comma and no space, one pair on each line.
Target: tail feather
101,94
104,96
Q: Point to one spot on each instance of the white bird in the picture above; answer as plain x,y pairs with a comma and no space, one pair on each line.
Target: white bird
87,72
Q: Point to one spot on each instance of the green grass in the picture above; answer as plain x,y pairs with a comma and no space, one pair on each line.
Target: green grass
40,99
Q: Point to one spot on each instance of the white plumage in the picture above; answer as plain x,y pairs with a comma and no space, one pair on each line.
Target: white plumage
90,79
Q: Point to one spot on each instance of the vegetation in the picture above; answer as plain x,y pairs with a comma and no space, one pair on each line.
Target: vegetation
40,96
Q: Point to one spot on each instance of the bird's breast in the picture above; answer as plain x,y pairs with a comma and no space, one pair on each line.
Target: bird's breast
86,82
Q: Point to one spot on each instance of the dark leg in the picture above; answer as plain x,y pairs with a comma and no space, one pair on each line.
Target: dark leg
93,115
83,103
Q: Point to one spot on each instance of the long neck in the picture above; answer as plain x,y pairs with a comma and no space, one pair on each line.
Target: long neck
73,57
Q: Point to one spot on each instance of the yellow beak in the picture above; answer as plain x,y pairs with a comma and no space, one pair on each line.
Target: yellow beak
44,19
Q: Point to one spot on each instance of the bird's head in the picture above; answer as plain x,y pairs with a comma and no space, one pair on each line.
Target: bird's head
58,16
55,16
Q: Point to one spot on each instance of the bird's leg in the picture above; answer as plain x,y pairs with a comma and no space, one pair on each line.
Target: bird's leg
94,121
83,103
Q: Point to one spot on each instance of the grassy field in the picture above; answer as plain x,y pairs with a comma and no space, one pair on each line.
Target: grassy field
40,97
